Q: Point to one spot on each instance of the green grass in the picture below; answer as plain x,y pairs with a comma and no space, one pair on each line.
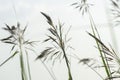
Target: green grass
58,48
107,55
20,47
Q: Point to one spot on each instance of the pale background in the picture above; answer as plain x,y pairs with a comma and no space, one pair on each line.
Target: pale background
28,12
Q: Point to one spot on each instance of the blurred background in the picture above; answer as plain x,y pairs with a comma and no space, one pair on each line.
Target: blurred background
27,12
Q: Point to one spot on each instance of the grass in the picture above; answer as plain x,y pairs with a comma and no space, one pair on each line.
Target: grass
58,50
20,46
106,54
84,8
58,44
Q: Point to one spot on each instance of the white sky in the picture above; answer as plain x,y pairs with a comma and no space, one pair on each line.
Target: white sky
28,12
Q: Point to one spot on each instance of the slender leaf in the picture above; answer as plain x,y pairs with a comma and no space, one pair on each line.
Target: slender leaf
8,58
48,18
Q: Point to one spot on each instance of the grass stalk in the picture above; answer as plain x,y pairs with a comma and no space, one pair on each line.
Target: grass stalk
105,62
53,77
62,46
58,47
45,66
22,65
81,60
84,8
28,66
95,71
67,63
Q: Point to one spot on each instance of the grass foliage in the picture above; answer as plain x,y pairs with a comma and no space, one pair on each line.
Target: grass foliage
58,48
108,55
20,46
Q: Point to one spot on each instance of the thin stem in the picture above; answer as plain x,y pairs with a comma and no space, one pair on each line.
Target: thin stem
28,66
66,60
95,71
76,57
62,46
23,72
23,75
53,77
105,63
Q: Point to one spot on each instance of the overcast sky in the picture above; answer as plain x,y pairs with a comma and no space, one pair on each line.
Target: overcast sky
28,12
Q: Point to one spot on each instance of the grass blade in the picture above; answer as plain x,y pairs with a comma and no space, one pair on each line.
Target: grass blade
8,58
28,65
